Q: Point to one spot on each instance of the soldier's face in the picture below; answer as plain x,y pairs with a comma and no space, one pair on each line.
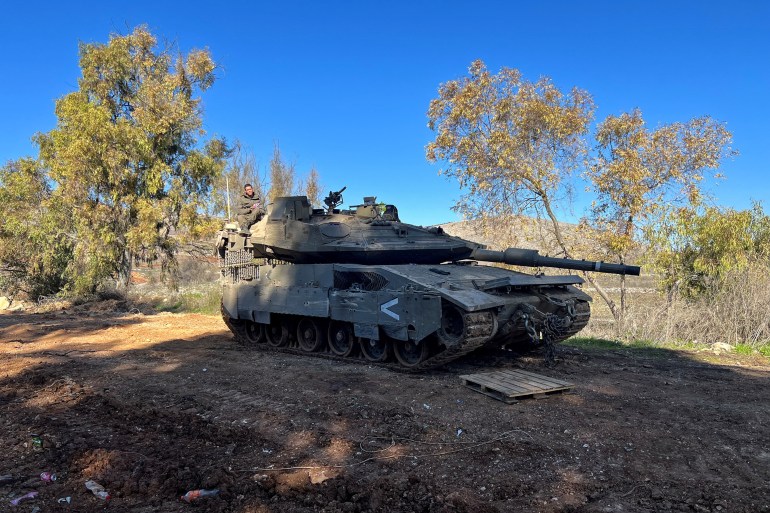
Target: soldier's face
249,191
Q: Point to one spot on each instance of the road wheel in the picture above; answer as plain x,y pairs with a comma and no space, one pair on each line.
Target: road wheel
310,335
410,353
377,351
254,333
278,332
341,339
452,328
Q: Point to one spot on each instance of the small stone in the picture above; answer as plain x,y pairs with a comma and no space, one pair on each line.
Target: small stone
16,307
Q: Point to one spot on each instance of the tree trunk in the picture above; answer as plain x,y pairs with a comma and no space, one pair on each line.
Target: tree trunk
124,271
617,314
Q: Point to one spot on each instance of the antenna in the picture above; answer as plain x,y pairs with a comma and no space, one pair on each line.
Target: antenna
227,187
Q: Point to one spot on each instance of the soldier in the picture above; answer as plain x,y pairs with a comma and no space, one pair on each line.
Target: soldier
251,209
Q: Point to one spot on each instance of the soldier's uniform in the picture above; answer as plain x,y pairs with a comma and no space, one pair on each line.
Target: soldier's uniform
247,213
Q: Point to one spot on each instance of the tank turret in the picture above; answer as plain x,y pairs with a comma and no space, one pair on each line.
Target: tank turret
371,233
361,284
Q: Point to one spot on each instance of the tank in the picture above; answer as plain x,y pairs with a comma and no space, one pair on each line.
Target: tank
358,283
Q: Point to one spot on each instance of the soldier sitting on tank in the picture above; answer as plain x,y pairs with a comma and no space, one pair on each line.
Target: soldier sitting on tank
251,209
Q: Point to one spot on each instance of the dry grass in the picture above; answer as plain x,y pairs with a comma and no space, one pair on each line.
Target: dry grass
735,311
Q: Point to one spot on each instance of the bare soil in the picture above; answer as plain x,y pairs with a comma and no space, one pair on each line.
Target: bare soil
152,406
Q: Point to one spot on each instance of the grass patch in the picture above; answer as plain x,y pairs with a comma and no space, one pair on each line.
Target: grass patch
593,343
646,347
203,300
662,349
744,349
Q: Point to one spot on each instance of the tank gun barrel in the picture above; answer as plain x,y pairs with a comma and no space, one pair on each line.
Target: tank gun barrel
531,258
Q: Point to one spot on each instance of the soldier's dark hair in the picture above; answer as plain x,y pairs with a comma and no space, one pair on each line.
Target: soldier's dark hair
248,185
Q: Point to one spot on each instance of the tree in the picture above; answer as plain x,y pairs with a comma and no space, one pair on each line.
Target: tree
282,176
124,157
509,142
640,175
34,248
697,247
313,187
512,144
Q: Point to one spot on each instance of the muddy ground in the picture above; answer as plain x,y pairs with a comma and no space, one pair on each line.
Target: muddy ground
154,405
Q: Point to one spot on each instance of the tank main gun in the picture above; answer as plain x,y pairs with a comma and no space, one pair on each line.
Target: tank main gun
532,258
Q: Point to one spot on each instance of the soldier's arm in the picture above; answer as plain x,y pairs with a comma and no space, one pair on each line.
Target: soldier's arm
245,208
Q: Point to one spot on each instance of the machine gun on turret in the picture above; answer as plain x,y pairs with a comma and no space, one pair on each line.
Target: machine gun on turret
333,199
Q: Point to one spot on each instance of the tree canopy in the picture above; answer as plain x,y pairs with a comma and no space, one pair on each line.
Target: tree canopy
124,169
514,145
508,141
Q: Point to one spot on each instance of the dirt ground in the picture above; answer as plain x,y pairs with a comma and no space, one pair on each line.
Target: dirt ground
154,405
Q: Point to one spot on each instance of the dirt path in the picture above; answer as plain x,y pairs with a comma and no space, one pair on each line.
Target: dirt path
152,406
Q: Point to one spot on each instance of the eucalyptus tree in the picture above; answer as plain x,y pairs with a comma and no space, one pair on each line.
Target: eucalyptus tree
126,159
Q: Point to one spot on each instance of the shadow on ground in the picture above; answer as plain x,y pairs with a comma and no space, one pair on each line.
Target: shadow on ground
154,406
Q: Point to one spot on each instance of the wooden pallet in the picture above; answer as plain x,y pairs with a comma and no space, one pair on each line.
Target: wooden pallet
513,384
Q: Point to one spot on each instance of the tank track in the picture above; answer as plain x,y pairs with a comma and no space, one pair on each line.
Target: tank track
479,327
581,317
580,320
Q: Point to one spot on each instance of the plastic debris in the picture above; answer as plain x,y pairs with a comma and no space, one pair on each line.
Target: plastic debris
17,500
48,477
7,478
62,500
194,495
37,442
98,490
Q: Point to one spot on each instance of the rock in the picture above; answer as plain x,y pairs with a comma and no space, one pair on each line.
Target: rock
16,307
721,347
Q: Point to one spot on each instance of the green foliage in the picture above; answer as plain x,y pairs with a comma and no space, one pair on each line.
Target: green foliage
124,164
34,250
697,249
744,349
594,343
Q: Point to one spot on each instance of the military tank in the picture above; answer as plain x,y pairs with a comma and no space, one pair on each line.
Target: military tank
358,283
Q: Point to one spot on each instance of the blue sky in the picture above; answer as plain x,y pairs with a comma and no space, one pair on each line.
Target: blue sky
344,86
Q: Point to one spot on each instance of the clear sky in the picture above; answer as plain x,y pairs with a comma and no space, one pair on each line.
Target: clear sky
344,86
